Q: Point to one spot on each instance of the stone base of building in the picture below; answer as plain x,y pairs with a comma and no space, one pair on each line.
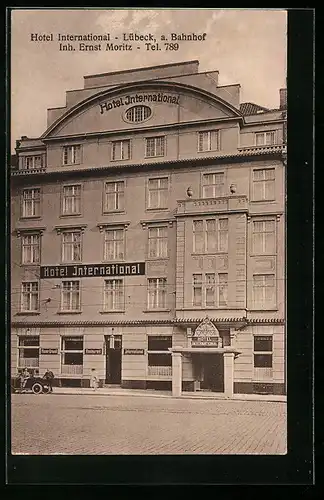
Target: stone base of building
259,388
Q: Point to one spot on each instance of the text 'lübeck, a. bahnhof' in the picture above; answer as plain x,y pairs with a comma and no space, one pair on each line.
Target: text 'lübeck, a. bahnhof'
177,195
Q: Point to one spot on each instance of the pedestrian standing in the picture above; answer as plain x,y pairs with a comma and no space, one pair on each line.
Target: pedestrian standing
94,380
49,376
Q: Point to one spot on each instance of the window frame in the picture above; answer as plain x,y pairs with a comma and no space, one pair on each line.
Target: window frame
253,185
159,352
204,232
263,220
65,232
263,352
121,142
33,216
158,190
161,242
160,293
113,229
23,246
73,197
31,293
115,192
79,309
203,285
155,138
64,351
30,347
264,305
203,185
209,140
264,134
114,294
134,110
33,158
71,147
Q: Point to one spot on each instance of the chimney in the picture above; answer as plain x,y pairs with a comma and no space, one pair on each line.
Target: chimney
283,98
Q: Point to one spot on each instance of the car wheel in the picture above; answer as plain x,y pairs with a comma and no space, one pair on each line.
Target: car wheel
37,388
46,389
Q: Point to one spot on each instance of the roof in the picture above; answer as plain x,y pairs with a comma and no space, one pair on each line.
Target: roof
250,108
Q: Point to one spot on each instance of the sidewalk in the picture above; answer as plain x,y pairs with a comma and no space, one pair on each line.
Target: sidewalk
118,391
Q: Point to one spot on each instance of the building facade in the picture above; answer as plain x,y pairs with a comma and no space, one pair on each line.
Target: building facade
148,236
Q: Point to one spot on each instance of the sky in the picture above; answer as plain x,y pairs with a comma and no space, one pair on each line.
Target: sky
246,47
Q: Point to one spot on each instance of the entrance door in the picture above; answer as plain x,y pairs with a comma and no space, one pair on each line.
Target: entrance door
213,372
113,360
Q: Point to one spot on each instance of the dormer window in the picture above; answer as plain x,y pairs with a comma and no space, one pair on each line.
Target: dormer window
72,155
33,162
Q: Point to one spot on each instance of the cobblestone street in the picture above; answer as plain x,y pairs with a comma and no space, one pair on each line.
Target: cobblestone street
117,425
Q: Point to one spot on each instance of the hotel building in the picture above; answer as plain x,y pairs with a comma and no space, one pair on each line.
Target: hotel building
148,236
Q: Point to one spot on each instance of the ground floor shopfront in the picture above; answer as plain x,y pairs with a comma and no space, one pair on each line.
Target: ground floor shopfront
194,355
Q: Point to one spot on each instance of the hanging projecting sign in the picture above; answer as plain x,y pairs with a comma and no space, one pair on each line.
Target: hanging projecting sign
159,97
91,270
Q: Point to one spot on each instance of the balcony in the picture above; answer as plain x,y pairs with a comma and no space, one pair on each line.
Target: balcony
212,205
71,369
160,371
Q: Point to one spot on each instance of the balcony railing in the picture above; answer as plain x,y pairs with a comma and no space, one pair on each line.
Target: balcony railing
72,369
160,371
212,205
28,362
262,374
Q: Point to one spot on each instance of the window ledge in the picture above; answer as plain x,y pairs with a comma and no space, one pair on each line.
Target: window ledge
69,312
27,313
157,209
30,264
155,156
108,212
210,151
70,164
265,309
156,310
263,201
63,216
154,259
113,311
30,217
263,254
206,254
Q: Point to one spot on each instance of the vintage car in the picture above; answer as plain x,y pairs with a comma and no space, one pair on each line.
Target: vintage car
37,385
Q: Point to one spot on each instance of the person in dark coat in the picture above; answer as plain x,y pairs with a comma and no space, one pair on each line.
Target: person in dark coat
49,376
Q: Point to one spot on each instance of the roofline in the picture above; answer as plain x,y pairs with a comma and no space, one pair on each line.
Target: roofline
142,69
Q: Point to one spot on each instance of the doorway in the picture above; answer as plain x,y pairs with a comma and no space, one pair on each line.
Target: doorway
113,359
213,372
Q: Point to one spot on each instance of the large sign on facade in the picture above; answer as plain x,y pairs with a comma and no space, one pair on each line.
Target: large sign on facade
92,270
127,100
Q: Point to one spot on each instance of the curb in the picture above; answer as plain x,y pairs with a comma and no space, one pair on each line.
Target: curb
184,396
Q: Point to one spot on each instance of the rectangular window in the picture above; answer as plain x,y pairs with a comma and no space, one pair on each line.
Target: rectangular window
31,249
32,162
265,138
264,184
264,291
159,354
72,155
72,355
114,244
262,351
157,242
31,202
204,290
71,200
263,239
71,246
155,146
210,235
28,352
157,292
208,141
30,296
114,196
121,150
213,185
158,192
114,295
70,297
